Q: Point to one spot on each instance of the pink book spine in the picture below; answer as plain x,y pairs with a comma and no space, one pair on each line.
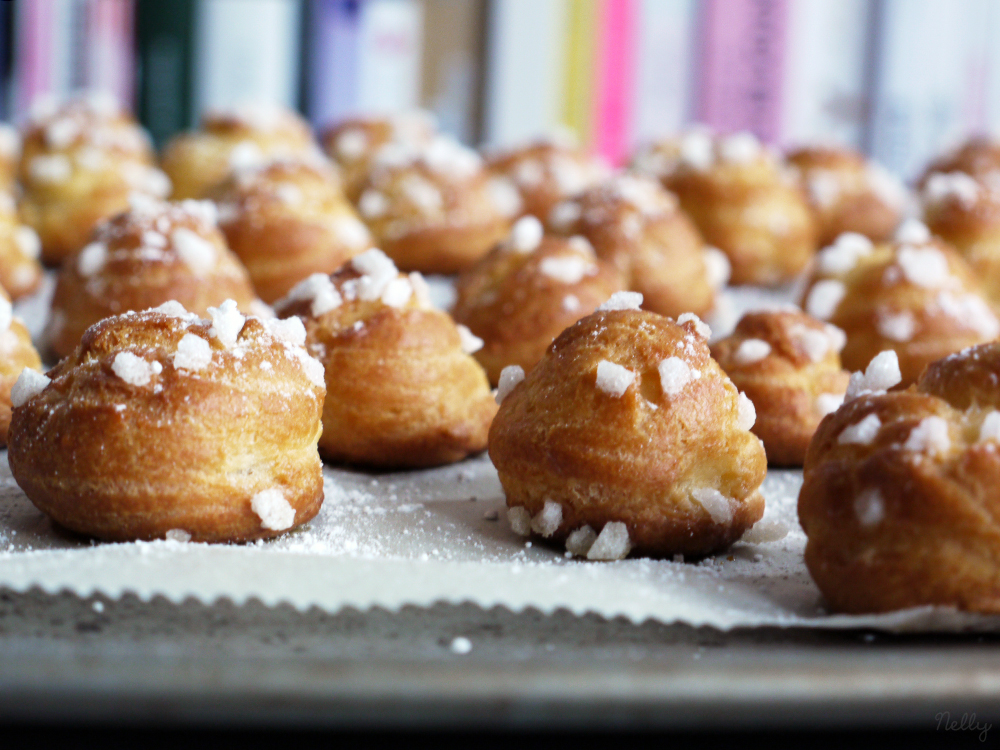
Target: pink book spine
110,54
615,74
742,60
33,31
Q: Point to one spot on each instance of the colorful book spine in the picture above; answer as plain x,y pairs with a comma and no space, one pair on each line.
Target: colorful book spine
109,52
579,67
389,53
165,47
613,97
742,65
331,60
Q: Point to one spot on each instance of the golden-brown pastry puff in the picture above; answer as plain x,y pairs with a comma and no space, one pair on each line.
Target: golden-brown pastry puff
634,223
788,364
966,214
20,249
547,172
747,203
901,492
916,297
848,193
161,424
978,157
247,136
353,143
10,156
402,388
16,353
527,291
288,220
628,436
435,209
153,253
80,163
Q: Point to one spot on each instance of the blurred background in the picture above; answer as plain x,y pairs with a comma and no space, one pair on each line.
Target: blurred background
898,79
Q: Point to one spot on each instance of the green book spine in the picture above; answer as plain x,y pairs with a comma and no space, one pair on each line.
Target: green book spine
165,41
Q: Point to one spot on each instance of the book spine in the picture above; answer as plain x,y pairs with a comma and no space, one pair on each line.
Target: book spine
389,53
109,63
742,61
615,80
165,49
578,87
332,59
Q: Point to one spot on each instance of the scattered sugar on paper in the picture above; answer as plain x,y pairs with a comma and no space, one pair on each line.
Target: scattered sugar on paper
546,522
612,543
580,541
461,645
177,535
510,376
28,385
520,520
193,353
861,433
273,509
613,379
134,370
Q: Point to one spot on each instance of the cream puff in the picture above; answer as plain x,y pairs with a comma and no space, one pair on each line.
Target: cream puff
16,353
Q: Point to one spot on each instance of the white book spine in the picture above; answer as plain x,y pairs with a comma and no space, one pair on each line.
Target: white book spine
389,50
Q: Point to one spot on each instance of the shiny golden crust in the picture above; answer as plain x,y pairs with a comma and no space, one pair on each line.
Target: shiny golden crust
20,247
401,392
849,194
790,370
435,210
79,165
16,353
636,225
633,459
744,203
286,221
979,157
353,143
919,300
519,301
199,161
546,173
966,214
107,455
134,263
910,518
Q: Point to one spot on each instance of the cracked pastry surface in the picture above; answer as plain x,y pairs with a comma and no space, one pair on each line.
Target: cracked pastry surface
788,365
635,224
915,295
161,424
627,429
287,220
153,253
526,291
402,387
900,502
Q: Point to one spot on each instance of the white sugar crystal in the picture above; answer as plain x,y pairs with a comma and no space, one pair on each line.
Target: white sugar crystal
152,238
824,187
144,206
675,374
397,292
461,645
504,196
373,204
10,141
750,351
350,231
881,375
177,535
971,312
520,520
990,428
227,322
94,160
701,327
421,193
447,156
923,266
422,290
314,370
816,344
289,330
898,326
92,259
930,436
886,185
613,379
6,314
319,289
827,403
274,511
174,309
510,376
612,543
289,194
719,506
824,298
582,245
696,150
642,193
869,507
547,521
351,144
529,173
580,541
566,270
193,353
746,413
52,169
526,235
28,242
740,148
564,215
246,155
718,269
134,370
193,249
844,253
377,271
765,532
205,212
622,301
912,231
861,433
959,186
28,385
471,343
571,303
